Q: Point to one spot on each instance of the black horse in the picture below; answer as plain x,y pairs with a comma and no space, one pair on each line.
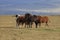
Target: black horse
28,20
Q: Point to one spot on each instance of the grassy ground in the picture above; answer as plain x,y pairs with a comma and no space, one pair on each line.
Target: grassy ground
8,30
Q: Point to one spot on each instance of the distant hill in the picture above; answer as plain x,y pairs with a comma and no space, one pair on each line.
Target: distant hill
23,12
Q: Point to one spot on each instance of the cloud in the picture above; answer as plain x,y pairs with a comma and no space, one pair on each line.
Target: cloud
46,10
52,10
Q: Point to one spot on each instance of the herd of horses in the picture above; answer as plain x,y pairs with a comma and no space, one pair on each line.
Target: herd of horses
28,19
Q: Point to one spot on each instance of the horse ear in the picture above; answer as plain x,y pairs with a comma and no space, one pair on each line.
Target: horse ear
35,15
16,15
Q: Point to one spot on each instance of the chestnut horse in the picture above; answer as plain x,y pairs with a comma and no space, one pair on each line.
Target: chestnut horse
40,19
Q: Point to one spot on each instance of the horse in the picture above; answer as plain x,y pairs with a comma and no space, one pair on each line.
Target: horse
20,20
28,20
45,19
37,20
40,19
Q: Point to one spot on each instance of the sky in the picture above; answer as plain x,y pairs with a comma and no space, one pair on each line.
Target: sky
38,6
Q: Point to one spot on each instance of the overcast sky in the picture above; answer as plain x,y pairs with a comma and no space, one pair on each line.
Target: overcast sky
47,6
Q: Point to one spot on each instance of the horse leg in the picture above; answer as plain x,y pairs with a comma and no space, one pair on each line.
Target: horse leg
36,24
46,23
22,24
17,25
30,25
25,25
39,24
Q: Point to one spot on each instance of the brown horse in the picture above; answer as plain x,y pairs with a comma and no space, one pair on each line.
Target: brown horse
40,19
44,19
20,20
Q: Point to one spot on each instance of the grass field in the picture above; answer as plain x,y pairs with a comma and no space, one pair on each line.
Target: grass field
8,30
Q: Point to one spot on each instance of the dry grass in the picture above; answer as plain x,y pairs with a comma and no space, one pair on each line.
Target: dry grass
8,30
